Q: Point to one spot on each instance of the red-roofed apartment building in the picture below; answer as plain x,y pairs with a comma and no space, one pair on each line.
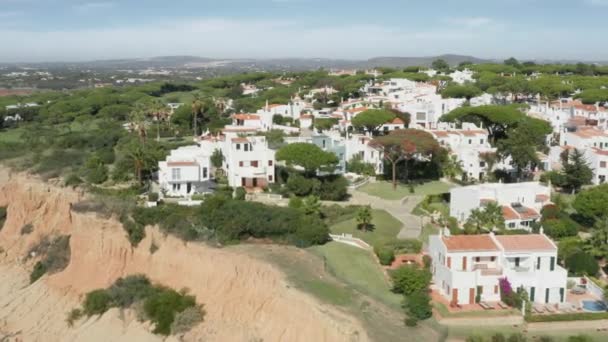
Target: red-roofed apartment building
464,266
521,202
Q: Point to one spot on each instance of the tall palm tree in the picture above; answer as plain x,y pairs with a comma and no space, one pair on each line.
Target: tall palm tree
197,106
160,113
137,122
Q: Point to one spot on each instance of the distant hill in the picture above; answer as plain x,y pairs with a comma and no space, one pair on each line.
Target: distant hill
401,62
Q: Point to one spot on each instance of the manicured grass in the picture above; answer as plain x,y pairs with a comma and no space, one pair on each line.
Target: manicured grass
443,311
357,268
385,189
386,228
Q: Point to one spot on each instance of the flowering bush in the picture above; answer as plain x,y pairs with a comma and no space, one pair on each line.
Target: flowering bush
510,297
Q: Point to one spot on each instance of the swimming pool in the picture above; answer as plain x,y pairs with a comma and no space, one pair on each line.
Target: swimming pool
593,305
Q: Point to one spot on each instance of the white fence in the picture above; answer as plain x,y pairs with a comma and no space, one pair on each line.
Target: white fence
350,240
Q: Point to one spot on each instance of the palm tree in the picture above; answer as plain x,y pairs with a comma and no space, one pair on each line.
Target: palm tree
197,106
160,113
364,218
139,156
452,167
137,122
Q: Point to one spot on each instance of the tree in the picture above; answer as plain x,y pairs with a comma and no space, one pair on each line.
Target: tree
364,218
598,242
457,91
405,144
410,279
143,158
372,119
452,167
487,218
522,142
582,263
324,124
512,62
307,156
137,122
593,96
311,206
95,171
217,160
576,171
440,65
496,119
490,159
418,305
592,203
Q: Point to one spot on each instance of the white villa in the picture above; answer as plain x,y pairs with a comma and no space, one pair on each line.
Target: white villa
521,202
464,266
468,144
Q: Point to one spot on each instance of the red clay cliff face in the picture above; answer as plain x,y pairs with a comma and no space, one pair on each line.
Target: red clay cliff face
245,298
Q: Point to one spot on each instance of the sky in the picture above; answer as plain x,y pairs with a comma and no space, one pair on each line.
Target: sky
82,30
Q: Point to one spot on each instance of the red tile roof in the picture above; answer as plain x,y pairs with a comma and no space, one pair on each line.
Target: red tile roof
542,198
509,214
458,243
246,117
526,242
397,121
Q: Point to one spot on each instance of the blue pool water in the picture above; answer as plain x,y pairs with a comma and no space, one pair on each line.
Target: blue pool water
594,305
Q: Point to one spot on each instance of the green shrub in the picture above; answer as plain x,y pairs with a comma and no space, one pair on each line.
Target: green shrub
516,337
73,316
240,193
162,307
580,338
386,254
410,279
545,338
38,271
334,213
126,291
427,260
135,231
187,319
311,231
96,302
411,322
498,337
295,202
475,338
72,180
582,263
418,305
27,229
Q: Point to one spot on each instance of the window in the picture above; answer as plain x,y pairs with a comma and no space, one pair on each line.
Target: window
482,164
552,264
204,172
517,262
238,146
470,141
246,146
492,258
538,263
270,178
603,164
254,163
270,163
477,259
324,142
176,174
511,224
177,187
241,164
481,141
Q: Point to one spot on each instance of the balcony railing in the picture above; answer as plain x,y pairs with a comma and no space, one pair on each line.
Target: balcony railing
487,271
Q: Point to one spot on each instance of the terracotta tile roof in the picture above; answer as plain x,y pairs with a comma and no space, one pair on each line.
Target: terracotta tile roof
397,121
457,243
182,163
509,214
442,134
526,242
275,105
246,117
542,198
306,116
240,129
240,140
528,213
470,133
590,132
600,152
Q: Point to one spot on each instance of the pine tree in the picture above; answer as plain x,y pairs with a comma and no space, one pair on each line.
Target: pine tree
577,171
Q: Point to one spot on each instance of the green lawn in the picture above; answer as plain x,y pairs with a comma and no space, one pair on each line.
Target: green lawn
386,228
357,268
11,135
385,189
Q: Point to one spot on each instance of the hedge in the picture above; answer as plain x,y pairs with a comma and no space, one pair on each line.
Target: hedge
580,316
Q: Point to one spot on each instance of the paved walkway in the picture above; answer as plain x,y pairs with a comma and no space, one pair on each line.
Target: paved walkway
400,209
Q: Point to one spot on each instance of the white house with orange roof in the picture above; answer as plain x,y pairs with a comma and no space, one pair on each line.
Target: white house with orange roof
467,266
521,202
468,144
591,141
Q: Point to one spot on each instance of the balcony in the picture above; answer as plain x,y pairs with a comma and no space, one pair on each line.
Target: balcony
485,270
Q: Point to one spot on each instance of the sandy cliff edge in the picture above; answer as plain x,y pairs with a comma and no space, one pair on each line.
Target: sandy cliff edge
245,298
